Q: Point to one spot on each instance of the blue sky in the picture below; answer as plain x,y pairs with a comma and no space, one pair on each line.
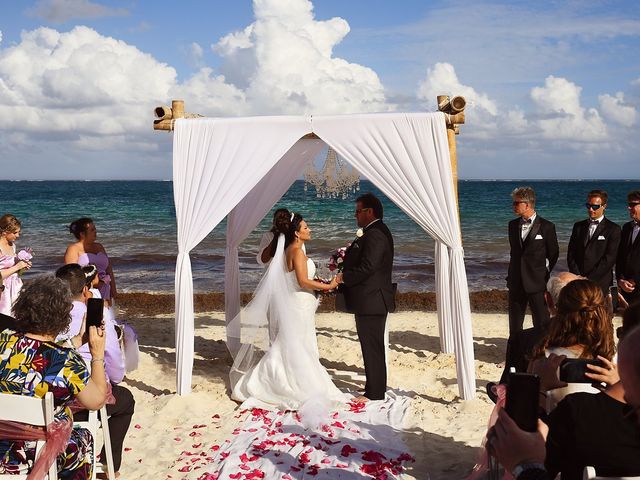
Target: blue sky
553,87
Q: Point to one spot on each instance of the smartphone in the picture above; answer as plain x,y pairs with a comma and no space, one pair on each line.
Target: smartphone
95,309
613,291
522,400
572,370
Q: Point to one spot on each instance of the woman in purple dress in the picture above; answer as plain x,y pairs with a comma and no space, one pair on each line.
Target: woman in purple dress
10,264
86,250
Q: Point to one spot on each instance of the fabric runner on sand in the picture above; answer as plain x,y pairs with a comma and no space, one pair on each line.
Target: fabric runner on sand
359,440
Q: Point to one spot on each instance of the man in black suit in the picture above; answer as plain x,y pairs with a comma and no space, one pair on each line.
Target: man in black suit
534,252
368,290
593,245
628,262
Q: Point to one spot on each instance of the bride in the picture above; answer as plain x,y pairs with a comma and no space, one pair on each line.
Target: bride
277,361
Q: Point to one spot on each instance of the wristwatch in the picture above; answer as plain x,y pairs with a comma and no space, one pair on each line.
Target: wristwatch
517,471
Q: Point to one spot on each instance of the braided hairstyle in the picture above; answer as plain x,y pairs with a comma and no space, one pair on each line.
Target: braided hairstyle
583,319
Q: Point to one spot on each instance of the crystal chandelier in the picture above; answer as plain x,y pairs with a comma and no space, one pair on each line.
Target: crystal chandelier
335,180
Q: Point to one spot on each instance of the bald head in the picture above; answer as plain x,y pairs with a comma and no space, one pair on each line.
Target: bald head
629,367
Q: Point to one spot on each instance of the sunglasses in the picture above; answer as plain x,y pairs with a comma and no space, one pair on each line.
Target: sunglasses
593,206
633,204
358,210
517,202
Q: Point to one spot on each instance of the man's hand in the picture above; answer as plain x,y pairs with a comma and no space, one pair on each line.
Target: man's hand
339,278
513,446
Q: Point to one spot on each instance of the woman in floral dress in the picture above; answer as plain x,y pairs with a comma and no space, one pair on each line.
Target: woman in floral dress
31,364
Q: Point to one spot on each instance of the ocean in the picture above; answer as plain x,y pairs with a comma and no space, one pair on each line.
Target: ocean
136,224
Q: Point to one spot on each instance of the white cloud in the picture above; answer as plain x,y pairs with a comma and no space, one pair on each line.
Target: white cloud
60,11
284,63
562,115
614,108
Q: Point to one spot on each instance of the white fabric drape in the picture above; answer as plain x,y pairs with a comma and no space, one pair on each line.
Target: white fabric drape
216,162
251,210
407,157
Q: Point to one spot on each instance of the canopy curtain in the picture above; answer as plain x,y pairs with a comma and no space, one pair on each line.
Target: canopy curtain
407,157
216,163
251,210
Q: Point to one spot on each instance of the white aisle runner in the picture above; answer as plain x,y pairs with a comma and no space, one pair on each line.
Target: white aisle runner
358,441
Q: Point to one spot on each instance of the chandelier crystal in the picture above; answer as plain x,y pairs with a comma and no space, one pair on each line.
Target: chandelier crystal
336,179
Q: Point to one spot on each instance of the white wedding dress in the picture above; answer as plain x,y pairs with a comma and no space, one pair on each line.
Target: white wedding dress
288,374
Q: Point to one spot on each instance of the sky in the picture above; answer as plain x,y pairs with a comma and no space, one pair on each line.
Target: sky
552,87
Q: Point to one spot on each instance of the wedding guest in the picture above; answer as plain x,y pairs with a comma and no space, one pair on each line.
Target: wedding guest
269,241
524,453
32,364
593,245
520,344
86,250
121,412
534,252
580,418
628,261
10,264
91,276
582,328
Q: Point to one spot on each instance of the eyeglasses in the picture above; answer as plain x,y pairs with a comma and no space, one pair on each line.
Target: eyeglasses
593,206
633,204
358,210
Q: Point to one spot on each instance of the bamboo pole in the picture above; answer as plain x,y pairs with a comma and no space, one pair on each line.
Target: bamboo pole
166,116
454,110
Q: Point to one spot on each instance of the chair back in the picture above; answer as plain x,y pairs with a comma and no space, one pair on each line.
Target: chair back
32,411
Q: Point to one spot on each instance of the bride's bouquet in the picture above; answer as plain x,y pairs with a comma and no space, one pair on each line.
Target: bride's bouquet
336,260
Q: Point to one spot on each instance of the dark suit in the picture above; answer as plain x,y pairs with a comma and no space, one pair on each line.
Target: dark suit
368,293
528,272
628,262
594,257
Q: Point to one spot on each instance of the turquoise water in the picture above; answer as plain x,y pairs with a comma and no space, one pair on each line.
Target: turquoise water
136,224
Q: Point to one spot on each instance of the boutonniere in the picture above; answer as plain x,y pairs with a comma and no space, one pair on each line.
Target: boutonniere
359,233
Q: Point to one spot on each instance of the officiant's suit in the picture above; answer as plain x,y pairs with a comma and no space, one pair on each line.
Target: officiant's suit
594,256
369,294
532,260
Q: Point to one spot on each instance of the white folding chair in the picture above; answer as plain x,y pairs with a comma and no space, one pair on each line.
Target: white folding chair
31,411
93,425
589,473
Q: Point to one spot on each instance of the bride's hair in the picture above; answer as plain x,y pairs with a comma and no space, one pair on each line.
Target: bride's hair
288,226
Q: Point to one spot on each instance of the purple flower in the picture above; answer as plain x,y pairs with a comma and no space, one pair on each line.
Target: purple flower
25,255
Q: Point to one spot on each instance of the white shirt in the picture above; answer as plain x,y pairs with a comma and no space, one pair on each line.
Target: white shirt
525,228
593,226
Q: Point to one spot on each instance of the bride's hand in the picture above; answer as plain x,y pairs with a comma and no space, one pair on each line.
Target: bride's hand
334,283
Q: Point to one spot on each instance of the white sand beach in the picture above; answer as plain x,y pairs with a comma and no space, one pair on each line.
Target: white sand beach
444,431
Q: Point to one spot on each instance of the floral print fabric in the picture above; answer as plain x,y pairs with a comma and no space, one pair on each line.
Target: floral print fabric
32,368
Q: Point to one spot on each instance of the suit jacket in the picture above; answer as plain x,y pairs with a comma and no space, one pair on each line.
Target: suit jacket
520,346
368,263
628,262
528,264
594,258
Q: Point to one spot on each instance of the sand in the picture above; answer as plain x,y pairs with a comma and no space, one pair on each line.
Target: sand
444,431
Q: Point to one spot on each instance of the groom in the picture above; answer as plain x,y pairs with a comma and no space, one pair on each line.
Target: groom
368,290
